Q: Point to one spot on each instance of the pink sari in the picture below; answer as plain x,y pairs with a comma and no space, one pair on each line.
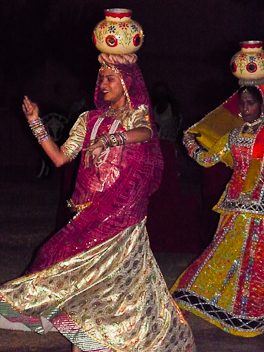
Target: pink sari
130,175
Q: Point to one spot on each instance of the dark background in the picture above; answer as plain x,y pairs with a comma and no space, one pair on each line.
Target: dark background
47,54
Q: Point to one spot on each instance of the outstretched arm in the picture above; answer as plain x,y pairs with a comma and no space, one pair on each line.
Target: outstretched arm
31,112
202,156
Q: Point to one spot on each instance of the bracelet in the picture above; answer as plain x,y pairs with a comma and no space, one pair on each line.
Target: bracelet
114,140
195,152
189,141
38,129
105,140
123,135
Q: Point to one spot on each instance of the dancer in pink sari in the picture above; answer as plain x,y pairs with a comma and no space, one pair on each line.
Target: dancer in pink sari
113,193
96,281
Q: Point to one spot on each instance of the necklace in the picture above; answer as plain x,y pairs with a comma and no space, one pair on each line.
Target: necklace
250,129
116,112
254,122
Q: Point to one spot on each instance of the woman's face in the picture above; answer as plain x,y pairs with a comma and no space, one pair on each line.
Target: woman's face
249,107
111,87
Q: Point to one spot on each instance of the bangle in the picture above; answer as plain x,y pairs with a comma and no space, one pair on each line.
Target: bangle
38,129
113,140
118,139
105,140
123,135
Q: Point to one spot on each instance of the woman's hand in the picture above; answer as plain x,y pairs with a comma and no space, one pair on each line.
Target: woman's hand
30,109
192,135
93,151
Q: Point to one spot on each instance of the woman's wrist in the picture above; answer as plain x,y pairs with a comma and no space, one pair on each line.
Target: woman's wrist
113,140
32,118
38,129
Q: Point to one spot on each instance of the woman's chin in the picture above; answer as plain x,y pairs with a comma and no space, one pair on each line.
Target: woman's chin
106,96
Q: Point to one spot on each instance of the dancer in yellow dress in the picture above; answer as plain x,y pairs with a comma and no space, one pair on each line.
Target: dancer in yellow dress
225,284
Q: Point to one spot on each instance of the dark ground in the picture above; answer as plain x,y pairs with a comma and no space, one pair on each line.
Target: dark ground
27,215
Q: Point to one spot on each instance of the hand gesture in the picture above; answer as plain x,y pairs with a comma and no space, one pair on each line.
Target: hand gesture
93,153
191,135
30,109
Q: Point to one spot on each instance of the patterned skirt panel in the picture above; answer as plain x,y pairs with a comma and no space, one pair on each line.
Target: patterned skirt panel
225,284
110,298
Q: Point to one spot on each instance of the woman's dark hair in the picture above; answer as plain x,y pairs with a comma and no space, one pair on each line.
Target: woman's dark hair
255,91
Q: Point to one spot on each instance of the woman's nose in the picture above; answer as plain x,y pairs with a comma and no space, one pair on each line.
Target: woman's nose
104,83
245,108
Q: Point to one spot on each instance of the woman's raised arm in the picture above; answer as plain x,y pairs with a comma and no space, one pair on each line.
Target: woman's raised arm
31,112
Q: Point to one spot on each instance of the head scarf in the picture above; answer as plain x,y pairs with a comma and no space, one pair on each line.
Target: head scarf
132,81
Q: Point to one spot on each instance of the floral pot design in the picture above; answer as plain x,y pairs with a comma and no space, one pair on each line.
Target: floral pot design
117,33
248,63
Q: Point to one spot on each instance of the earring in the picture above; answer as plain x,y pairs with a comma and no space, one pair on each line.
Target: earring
240,115
262,115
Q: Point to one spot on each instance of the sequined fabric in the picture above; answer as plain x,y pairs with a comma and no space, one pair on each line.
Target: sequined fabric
225,284
218,123
74,143
110,298
241,145
134,118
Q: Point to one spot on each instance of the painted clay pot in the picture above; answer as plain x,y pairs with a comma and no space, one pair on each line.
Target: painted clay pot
248,63
118,33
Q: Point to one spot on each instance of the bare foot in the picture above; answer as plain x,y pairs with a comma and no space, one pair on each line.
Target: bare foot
76,349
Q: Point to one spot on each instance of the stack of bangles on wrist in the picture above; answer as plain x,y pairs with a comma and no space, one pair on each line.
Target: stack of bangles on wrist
39,130
195,152
190,143
113,140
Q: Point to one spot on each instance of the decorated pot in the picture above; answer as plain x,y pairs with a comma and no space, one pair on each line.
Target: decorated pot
118,33
248,63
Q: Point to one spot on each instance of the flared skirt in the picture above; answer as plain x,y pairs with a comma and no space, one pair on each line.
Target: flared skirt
110,298
225,285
